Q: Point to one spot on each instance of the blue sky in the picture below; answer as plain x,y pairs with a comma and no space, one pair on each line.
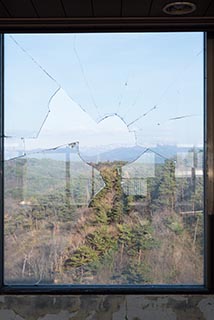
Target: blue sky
153,82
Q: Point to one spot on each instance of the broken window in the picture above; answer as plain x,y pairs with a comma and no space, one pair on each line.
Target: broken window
135,174
104,151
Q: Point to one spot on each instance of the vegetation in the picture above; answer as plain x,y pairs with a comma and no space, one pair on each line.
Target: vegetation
52,235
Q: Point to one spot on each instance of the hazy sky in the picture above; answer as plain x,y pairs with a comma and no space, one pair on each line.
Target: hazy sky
152,82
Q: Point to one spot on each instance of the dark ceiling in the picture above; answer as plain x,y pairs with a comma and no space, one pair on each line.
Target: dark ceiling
101,15
93,8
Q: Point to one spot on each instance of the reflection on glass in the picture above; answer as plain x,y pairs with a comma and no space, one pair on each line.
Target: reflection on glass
104,159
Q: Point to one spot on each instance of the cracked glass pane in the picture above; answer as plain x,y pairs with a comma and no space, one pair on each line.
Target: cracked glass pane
14,148
134,174
104,149
27,88
134,186
186,162
51,187
74,178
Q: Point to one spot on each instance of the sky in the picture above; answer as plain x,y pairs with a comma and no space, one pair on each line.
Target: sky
104,90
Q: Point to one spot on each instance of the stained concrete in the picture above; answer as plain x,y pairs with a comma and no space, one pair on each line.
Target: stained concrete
108,307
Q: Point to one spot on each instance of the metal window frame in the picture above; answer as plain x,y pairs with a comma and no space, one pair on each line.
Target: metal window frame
124,25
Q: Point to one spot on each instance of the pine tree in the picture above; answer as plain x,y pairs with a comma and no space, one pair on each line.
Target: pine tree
167,187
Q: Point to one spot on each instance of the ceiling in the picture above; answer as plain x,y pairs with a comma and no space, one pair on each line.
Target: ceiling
101,15
93,8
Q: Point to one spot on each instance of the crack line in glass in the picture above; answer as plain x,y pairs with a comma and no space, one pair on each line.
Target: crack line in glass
84,76
52,78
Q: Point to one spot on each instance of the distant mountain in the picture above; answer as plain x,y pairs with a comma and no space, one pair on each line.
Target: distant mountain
127,154
119,154
130,154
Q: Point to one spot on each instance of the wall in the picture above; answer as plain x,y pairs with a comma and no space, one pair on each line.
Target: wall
112,307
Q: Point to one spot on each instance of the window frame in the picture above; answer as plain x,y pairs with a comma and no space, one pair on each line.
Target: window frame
125,25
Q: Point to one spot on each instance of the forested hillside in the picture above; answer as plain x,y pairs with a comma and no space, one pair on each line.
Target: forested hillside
93,226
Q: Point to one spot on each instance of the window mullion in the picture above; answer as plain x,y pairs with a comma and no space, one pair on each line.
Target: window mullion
209,160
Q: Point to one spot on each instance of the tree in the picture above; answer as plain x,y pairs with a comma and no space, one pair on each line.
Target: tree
167,187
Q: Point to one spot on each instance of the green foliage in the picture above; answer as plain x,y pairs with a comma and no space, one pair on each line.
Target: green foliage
125,233
142,237
136,273
167,186
116,213
106,261
117,245
101,241
174,224
101,216
108,204
98,247
82,256
136,238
